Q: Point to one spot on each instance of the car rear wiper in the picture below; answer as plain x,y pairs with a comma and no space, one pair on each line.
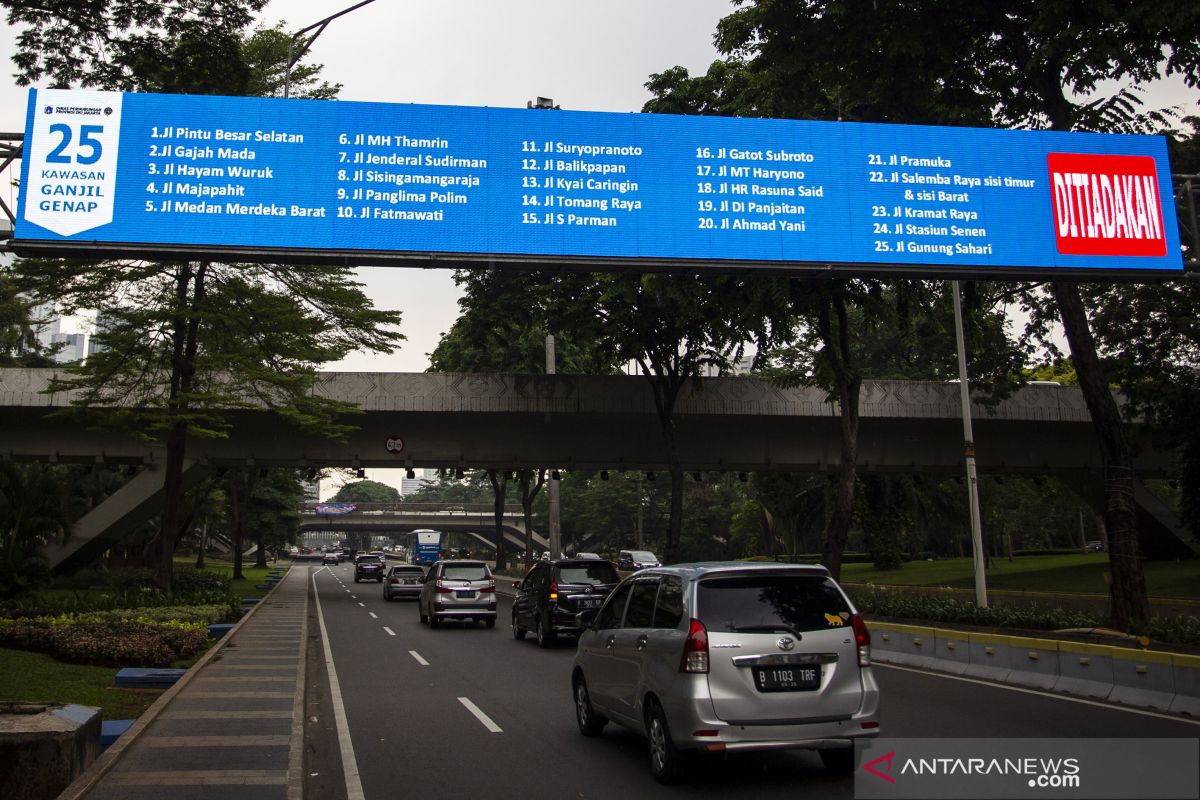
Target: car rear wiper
765,629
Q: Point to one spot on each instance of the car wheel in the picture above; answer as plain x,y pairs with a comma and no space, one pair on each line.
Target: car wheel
545,638
490,622
356,579
590,723
421,613
518,631
434,622
838,762
385,596
665,761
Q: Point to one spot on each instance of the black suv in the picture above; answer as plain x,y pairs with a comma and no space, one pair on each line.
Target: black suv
555,591
368,567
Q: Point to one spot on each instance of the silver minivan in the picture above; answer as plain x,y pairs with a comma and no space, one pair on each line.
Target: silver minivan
463,590
727,657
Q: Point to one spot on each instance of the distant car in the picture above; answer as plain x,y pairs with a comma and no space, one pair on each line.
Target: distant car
329,558
588,555
368,567
341,555
403,581
462,590
728,657
554,592
634,560
1095,545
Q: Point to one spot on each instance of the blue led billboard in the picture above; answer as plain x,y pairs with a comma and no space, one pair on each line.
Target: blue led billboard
372,182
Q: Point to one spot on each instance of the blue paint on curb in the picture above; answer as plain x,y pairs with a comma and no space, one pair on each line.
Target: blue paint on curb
147,678
111,730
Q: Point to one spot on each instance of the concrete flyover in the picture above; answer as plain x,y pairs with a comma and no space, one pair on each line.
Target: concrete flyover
508,421
395,519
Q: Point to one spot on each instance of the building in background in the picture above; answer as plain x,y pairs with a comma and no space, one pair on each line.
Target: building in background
415,484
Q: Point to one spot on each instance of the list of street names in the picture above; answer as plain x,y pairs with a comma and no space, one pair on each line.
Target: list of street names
578,184
755,189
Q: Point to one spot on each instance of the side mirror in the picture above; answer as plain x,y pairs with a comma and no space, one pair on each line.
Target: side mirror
587,619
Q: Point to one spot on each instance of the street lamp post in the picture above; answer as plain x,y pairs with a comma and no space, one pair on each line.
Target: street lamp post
964,390
318,28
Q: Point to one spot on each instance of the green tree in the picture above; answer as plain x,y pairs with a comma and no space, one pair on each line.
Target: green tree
34,509
188,342
366,492
1020,63
19,345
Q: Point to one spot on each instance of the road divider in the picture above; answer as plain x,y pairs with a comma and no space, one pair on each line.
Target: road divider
1139,678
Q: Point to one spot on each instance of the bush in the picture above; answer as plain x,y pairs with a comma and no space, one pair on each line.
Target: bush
113,643
935,608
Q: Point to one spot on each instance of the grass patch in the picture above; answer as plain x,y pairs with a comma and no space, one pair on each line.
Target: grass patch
1060,573
34,676
251,576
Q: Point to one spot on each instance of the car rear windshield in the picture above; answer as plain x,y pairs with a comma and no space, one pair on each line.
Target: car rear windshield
466,572
407,571
591,574
369,560
771,602
642,555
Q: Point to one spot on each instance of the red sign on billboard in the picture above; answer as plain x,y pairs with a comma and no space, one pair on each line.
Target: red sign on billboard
1106,205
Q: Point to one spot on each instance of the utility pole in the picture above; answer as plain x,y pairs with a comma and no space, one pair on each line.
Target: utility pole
964,391
319,27
552,485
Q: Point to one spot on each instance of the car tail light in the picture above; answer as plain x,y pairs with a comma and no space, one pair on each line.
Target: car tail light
862,637
490,588
553,590
442,588
695,649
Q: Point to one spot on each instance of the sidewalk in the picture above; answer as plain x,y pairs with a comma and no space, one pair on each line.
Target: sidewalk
232,728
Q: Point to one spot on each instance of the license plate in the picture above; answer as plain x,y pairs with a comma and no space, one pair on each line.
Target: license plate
589,602
786,678
465,595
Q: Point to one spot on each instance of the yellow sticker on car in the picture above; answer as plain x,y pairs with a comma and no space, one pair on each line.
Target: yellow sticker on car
834,619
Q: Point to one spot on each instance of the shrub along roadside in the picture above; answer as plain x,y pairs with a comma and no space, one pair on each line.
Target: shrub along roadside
134,642
919,608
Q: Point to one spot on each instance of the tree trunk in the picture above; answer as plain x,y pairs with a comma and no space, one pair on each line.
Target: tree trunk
235,511
203,545
499,486
528,494
1128,599
837,530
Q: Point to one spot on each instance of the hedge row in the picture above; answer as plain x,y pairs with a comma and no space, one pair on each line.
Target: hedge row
112,643
922,608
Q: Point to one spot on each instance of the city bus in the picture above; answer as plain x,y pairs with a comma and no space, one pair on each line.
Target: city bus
427,546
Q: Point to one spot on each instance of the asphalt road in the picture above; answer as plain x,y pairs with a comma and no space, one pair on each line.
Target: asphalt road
407,698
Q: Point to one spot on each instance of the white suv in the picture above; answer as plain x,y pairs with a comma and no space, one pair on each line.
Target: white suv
728,657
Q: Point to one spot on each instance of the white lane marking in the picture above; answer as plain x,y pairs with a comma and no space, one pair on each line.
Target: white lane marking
1052,695
354,790
354,597
420,660
372,613
389,630
363,605
479,715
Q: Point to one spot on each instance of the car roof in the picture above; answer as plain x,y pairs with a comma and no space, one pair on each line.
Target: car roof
701,569
460,562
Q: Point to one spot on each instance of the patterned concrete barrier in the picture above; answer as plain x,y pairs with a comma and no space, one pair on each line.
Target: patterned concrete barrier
1085,669
1186,672
951,651
911,645
990,656
1142,678
1035,662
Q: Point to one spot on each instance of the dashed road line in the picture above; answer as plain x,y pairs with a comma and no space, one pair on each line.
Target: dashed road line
420,660
479,715
389,630
372,613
